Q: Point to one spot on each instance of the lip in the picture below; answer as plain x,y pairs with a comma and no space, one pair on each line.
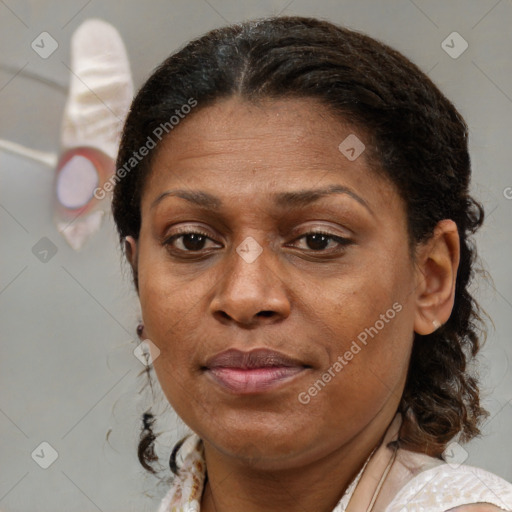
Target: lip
256,371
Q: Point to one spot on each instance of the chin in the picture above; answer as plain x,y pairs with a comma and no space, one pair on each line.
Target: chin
264,447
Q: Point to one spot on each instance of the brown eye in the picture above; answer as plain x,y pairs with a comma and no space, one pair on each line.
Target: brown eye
319,241
190,241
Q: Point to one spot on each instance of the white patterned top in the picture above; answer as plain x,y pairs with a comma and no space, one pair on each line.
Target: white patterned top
445,487
415,482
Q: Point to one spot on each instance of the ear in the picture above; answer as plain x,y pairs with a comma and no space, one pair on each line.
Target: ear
437,261
130,247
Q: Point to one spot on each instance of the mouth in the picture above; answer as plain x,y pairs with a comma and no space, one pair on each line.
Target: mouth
251,372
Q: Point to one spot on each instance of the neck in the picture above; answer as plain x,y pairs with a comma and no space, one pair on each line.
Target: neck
319,485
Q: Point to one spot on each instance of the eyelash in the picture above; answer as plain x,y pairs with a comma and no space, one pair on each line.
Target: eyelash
343,242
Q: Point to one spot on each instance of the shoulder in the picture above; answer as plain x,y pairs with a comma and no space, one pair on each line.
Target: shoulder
477,507
460,488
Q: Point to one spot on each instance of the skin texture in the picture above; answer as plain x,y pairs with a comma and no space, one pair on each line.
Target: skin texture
269,451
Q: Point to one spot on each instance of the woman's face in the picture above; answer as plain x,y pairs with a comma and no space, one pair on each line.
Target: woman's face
341,308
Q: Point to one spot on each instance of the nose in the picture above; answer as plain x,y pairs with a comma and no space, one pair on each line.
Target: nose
251,289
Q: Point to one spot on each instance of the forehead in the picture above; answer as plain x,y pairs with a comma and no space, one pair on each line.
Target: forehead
234,124
242,149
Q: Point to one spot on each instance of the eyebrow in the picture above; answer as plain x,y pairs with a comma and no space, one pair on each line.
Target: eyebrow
282,199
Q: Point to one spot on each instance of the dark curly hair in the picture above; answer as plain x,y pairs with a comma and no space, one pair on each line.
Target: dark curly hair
415,137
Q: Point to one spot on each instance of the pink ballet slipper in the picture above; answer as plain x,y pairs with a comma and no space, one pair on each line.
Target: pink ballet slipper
101,91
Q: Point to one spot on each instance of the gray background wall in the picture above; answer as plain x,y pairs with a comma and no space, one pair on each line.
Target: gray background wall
67,373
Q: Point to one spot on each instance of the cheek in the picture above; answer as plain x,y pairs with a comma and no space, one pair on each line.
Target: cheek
367,372
162,305
370,343
173,315
357,300
369,317
164,300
